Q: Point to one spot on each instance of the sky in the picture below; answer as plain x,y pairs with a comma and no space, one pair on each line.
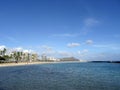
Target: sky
85,29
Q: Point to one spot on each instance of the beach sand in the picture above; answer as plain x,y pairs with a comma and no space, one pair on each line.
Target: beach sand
22,63
31,63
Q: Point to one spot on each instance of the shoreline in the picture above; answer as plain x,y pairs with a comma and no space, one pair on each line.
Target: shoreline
33,63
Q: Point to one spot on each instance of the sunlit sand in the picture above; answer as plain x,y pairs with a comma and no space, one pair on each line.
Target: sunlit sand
32,63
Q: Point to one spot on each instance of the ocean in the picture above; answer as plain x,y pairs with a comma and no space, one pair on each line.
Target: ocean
61,76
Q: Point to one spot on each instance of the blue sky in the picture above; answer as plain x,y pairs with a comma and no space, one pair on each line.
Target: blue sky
86,29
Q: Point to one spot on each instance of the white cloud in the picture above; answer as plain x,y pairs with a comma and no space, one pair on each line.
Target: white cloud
65,35
89,42
79,52
2,47
73,44
90,22
101,46
28,51
18,49
85,51
82,54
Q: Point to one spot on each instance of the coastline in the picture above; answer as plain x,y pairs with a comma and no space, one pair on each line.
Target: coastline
32,63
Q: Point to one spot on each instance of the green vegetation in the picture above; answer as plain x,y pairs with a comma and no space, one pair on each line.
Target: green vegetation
16,56
2,59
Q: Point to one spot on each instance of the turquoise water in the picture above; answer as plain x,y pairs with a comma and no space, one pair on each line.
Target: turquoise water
62,76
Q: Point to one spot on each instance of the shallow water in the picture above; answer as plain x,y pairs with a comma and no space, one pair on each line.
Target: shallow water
61,76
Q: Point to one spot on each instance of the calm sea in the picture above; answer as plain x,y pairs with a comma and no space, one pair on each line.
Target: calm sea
62,76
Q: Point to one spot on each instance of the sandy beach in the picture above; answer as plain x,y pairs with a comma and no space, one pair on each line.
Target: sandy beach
22,63
31,63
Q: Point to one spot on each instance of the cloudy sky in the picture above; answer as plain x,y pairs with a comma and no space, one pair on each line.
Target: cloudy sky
86,29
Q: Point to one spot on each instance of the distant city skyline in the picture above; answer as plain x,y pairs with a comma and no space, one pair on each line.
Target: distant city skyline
85,29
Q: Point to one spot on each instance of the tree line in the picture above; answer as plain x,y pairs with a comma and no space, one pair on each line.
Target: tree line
17,56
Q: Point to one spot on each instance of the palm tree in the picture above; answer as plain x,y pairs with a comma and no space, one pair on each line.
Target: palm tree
28,57
21,56
34,57
24,57
4,51
16,56
0,52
